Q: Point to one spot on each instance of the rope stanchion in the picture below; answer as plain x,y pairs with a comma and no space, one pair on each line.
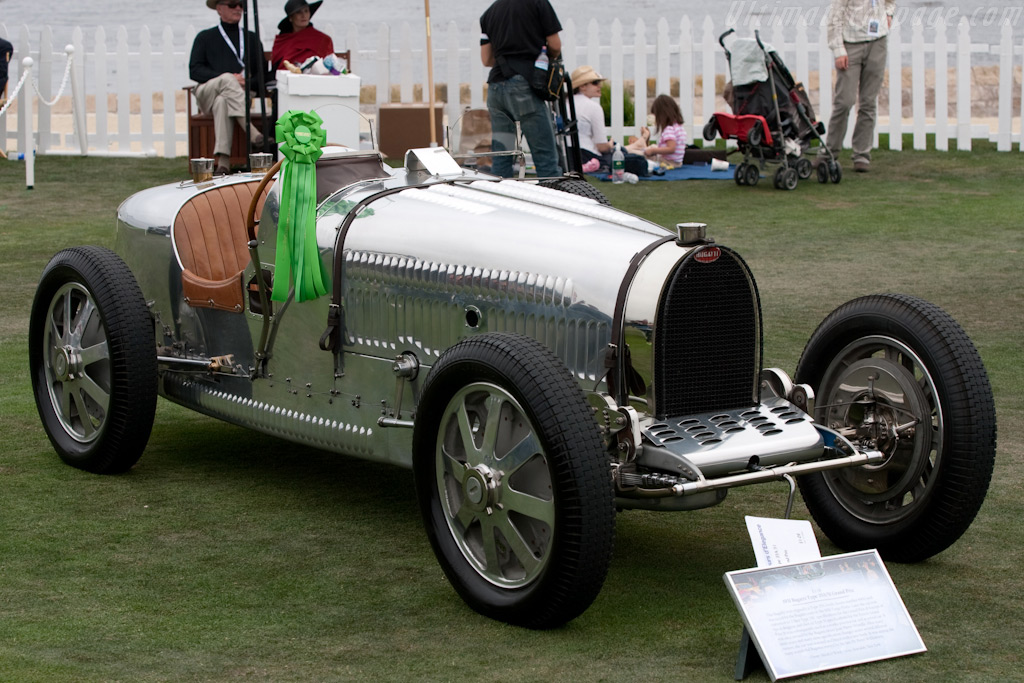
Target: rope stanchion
25,119
70,52
11,98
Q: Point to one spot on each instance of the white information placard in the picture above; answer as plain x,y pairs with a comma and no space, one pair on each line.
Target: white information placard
782,541
829,613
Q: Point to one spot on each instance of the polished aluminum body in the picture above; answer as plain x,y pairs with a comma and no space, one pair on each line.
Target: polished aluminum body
433,258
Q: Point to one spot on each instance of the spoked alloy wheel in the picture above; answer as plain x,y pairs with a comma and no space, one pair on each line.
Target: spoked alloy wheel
93,360
514,486
897,374
494,485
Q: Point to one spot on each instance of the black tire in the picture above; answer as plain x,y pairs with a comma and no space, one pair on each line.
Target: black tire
101,365
740,174
835,172
580,188
804,169
556,500
789,179
753,175
877,364
755,135
777,178
711,129
822,172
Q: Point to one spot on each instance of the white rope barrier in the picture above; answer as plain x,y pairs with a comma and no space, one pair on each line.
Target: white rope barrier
14,96
69,50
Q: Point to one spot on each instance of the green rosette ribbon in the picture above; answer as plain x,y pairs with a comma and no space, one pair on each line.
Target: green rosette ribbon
301,136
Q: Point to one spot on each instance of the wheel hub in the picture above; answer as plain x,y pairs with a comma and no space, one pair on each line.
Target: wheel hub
65,364
875,405
479,487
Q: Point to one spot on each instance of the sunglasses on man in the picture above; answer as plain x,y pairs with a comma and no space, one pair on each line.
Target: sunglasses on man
232,4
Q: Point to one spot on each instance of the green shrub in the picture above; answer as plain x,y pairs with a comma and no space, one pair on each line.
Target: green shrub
628,108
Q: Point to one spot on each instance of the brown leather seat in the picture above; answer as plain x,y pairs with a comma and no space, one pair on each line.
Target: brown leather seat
213,247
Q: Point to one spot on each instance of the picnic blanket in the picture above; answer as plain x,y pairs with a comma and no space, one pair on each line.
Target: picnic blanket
684,172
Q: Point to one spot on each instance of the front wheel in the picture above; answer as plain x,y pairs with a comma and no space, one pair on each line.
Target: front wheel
92,359
513,483
897,374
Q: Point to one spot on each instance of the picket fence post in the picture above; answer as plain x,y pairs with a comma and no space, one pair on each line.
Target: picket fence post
963,86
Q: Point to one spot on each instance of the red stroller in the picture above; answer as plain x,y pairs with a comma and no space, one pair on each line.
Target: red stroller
773,121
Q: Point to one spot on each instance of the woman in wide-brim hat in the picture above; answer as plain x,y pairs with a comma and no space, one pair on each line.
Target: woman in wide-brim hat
298,40
593,136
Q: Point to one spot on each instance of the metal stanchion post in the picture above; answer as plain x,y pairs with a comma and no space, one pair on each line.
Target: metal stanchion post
78,103
25,121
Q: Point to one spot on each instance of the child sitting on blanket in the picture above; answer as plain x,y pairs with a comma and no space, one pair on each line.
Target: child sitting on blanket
671,146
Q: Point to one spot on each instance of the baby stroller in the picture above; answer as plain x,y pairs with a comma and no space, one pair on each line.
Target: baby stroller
772,120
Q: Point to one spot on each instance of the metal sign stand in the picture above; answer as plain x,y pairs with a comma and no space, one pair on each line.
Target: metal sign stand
748,659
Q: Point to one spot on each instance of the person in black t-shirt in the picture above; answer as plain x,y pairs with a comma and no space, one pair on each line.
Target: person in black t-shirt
6,50
513,33
216,65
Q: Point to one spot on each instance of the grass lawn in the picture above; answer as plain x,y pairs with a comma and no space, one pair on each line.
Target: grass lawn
228,555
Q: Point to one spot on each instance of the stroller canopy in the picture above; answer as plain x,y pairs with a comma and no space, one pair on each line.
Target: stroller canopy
747,61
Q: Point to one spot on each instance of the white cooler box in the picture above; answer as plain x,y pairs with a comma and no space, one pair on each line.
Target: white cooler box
322,94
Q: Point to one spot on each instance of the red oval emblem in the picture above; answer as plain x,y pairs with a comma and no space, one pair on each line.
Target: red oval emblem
708,254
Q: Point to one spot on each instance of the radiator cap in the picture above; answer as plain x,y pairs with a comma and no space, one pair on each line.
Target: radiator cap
691,233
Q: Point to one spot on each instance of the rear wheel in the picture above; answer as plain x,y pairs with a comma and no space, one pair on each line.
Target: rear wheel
753,174
92,358
897,374
835,172
513,483
788,178
822,172
804,169
740,174
580,188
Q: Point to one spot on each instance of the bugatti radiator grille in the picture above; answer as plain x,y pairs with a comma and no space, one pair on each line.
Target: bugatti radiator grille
707,341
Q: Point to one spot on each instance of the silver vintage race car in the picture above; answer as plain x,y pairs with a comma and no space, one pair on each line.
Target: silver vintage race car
536,357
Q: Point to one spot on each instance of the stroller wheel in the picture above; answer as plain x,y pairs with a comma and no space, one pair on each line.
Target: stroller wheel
835,172
755,135
786,178
753,174
803,168
711,129
740,174
823,172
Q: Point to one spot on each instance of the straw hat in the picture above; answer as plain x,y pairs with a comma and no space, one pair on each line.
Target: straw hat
583,75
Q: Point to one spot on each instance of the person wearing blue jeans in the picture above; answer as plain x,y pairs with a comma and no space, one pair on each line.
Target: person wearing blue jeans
513,33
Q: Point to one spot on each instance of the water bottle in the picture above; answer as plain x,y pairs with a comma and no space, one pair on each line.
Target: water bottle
542,59
332,64
618,166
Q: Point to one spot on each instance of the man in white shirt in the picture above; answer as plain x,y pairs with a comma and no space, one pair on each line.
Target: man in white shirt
857,31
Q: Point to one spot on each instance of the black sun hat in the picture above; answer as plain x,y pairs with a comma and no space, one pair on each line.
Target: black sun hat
293,6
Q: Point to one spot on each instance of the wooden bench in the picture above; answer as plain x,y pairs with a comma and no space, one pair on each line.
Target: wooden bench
201,138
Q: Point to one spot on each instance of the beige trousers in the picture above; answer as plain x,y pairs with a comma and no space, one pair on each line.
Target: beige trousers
223,97
858,84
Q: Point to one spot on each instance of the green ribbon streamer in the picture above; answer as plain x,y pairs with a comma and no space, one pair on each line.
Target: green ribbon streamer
301,136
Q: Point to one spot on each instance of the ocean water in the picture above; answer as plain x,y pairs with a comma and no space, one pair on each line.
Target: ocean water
984,17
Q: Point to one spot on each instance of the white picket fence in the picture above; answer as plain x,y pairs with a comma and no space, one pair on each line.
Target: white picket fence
935,66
